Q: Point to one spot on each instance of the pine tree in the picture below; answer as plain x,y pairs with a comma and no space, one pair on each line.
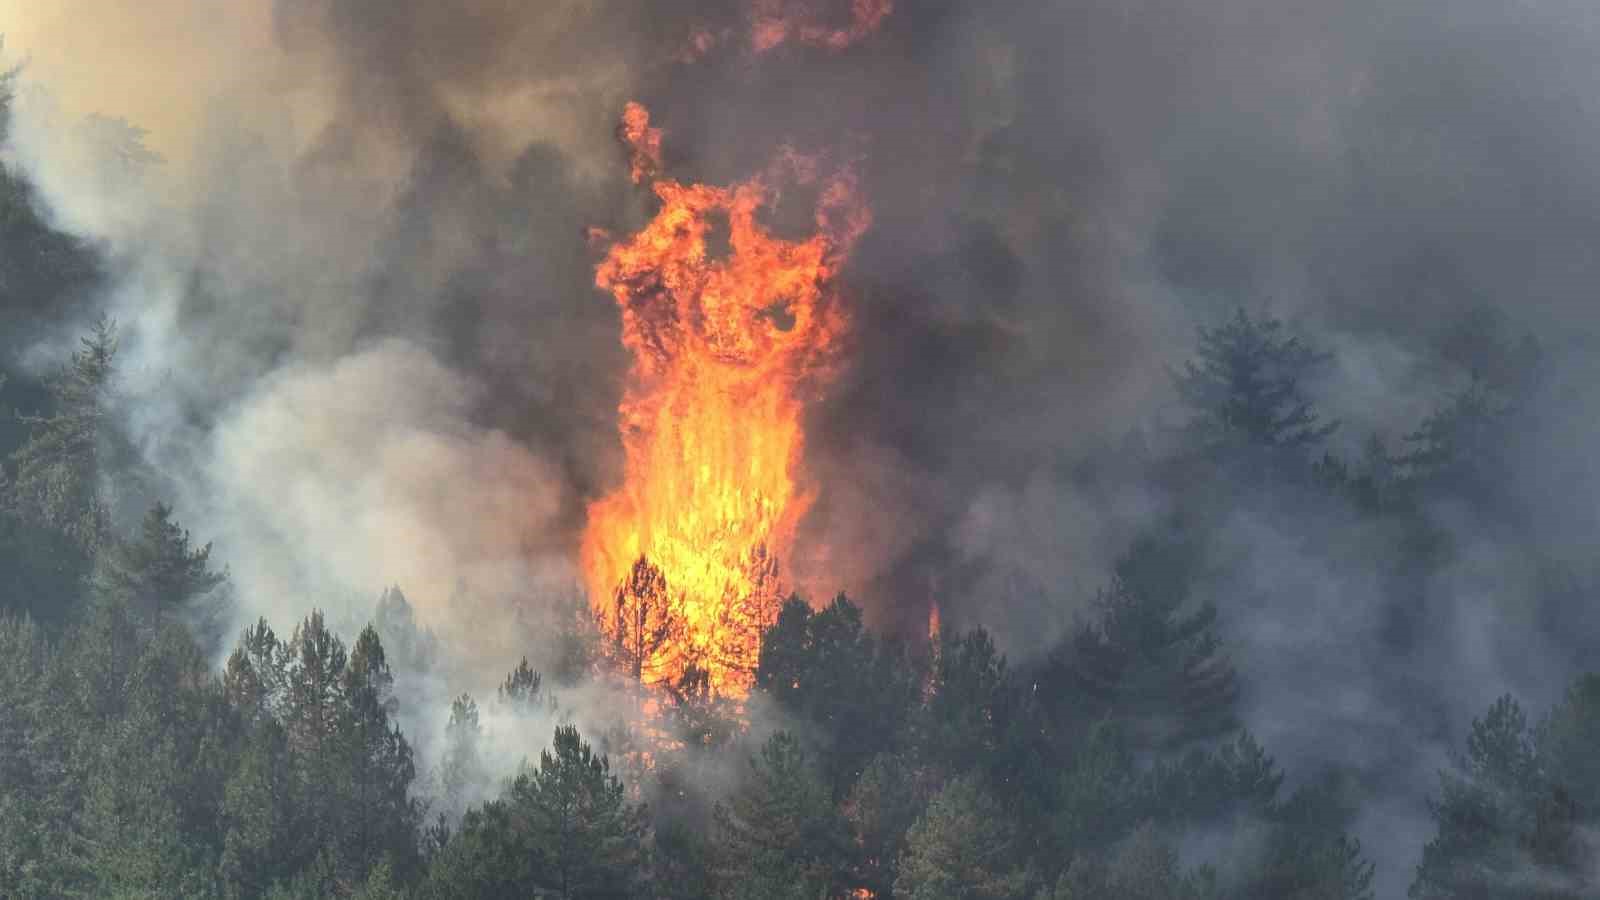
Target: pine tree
698,716
258,814
1148,663
380,817
1209,786
827,668
577,813
1308,853
574,640
462,770
643,623
963,848
565,829
255,678
1143,868
1245,393
158,573
157,778
37,781
57,473
523,689
1489,817
314,688
881,808
411,646
964,722
779,834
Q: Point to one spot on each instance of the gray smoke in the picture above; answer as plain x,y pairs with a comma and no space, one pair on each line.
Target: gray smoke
359,311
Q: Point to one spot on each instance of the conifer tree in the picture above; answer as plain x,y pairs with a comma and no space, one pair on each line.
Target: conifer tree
461,769
963,847
1245,391
157,573
523,689
56,474
643,622
828,669
881,808
1151,662
382,818
1142,868
578,815
779,834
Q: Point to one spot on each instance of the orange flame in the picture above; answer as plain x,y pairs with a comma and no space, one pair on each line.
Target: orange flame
773,23
777,21
731,329
642,140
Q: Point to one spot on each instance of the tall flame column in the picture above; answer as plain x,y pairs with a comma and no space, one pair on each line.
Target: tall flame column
728,344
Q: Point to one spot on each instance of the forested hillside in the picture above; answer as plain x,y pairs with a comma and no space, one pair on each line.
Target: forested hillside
799,449
1114,767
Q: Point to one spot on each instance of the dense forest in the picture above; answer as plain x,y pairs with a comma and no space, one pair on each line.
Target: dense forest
1315,623
1115,766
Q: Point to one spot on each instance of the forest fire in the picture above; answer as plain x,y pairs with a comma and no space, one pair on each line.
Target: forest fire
731,329
773,23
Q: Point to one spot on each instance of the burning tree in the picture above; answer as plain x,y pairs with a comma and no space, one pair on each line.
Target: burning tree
642,624
729,344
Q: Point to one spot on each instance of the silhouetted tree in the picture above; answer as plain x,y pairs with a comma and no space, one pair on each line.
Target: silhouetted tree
826,668
1245,391
643,622
1148,662
461,769
523,690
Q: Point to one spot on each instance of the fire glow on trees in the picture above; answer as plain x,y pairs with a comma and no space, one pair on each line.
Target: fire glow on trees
731,330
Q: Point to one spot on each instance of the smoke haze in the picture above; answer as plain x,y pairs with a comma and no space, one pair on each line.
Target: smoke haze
358,301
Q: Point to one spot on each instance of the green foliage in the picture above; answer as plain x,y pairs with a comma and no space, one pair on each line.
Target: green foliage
881,808
963,722
962,847
1150,662
129,767
1513,815
158,573
1308,854
828,670
780,830
1097,794
1142,868
565,829
38,788
1238,778
56,474
54,512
